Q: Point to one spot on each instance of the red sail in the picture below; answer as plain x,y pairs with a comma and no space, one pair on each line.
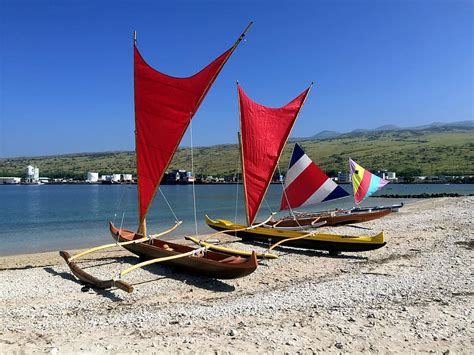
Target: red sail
164,107
265,131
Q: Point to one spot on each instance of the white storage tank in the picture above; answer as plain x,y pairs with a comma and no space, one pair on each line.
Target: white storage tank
92,177
30,171
116,178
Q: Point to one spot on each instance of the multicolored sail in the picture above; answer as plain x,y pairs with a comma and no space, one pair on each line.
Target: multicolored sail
264,132
364,182
164,107
306,184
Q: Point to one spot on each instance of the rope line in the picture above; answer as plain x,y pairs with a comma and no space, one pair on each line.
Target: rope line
169,206
192,174
287,200
121,224
120,203
236,193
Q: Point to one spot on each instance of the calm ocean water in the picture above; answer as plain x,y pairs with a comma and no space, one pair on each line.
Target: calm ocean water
54,217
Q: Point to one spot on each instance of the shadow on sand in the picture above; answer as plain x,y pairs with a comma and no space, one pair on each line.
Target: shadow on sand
286,250
160,271
85,287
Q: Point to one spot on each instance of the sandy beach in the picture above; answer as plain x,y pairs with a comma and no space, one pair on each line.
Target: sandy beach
413,295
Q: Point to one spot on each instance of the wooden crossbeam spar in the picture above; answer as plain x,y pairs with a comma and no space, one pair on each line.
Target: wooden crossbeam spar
136,241
159,260
240,252
288,239
240,229
101,247
177,224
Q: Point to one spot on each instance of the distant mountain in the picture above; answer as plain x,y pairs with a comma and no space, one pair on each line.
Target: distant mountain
326,135
458,124
431,151
387,127
435,126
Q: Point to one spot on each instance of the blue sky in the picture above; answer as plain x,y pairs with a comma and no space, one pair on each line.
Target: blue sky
67,80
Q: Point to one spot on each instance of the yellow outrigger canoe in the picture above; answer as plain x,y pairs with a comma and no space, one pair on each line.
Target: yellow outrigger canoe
334,243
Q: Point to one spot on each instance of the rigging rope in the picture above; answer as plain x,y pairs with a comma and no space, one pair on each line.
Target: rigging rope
192,174
236,193
121,224
120,203
169,206
268,205
286,198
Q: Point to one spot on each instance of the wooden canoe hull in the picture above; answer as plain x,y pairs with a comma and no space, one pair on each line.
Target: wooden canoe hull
212,264
335,218
330,242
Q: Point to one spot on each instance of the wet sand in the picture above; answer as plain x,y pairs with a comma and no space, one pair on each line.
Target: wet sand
413,295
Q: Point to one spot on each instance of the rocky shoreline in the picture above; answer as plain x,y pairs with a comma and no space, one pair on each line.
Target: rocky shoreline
426,195
414,295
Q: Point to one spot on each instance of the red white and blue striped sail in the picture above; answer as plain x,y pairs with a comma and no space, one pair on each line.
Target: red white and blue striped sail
306,184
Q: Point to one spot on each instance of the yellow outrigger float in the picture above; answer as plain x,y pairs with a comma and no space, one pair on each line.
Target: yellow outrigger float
334,243
224,249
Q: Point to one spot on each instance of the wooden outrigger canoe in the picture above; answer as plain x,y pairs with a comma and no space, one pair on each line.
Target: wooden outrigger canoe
333,243
330,218
209,263
197,261
158,131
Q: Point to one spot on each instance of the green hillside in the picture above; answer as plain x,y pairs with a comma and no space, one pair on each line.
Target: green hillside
405,152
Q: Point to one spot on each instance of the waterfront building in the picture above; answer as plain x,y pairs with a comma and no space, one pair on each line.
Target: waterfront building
127,178
116,178
391,176
10,180
179,176
92,177
343,177
32,175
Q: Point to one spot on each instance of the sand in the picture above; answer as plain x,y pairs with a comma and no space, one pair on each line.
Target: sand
414,295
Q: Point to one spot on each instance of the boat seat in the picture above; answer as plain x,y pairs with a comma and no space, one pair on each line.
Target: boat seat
232,260
167,247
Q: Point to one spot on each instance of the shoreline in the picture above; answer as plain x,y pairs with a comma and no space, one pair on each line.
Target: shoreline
79,182
413,295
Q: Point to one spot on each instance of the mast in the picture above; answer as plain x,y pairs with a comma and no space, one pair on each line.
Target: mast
141,223
241,153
